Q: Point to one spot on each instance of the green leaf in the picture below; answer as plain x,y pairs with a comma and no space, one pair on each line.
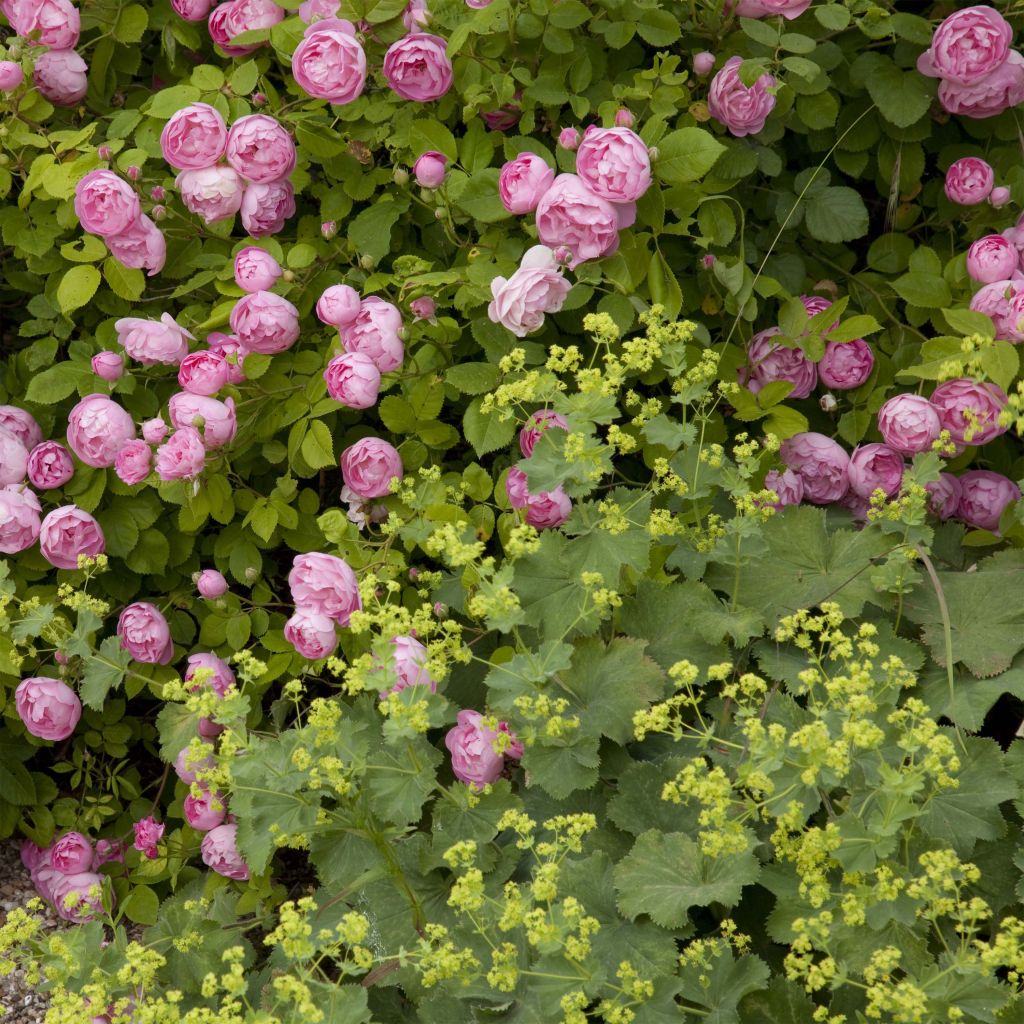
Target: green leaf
721,988
929,291
479,198
126,282
370,231
966,321
663,286
142,905
637,805
426,134
487,431
77,287
318,446
16,784
56,383
244,78
686,155
473,378
658,27
564,767
835,214
170,101
132,22
783,1002
402,778
902,97
103,671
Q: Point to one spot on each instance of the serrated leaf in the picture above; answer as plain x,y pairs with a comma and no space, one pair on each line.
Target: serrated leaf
721,988
57,382
77,287
318,446
486,431
835,214
902,97
686,155
783,1002
103,671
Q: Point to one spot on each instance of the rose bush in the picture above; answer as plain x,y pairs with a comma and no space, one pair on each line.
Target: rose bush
512,511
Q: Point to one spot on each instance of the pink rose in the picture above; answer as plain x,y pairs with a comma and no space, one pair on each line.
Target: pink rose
569,138
523,182
369,466
969,181
353,379
984,496
222,678
423,308
266,207
969,45
324,584
142,245
108,851
743,110
822,465
536,288
991,259
19,519
944,495
106,204
194,138
874,466
154,431
1003,302
771,362
789,9
21,424
255,269
472,747
330,63
544,509
78,898
570,214
999,197
375,333
313,9
234,355
265,323
182,457
206,811
417,67
153,341
993,94
31,854
220,852
614,164
260,148
221,34
539,423
215,419
211,584
846,364
250,15
909,424
787,485
108,365
71,853
311,633
98,429
407,665
203,373
13,459
190,762
148,834
11,76
703,63
145,634
504,119
339,305
61,77
49,466
192,10
213,193
429,169
68,532
970,410
49,708
54,23
132,462
415,15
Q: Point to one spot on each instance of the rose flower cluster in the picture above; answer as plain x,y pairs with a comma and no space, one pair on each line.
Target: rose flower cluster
59,73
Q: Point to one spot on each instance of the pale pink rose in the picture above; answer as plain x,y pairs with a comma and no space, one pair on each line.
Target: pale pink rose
821,463
875,466
339,305
255,269
969,45
145,634
311,633
19,519
703,63
369,466
266,207
789,9
234,354
991,259
999,197
471,745
523,182
770,362
407,664
743,110
132,462
250,15
192,10
54,23
846,364
61,77
11,76
203,373
313,9
544,509
217,25
375,333
154,431
220,853
1003,302
49,466
353,379
71,853
569,138
213,193
970,410
68,532
108,365
211,584
98,429
45,876
222,678
330,63
991,95
106,204
944,495
417,67
140,246
205,811
415,15
787,485
13,459
49,708
423,308
32,855
148,833
108,851
182,456
429,169
21,424
153,341
539,423
194,138
191,762
78,898
324,584
614,163
265,323
214,419
969,181
909,424
536,288
570,214
984,495
260,148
